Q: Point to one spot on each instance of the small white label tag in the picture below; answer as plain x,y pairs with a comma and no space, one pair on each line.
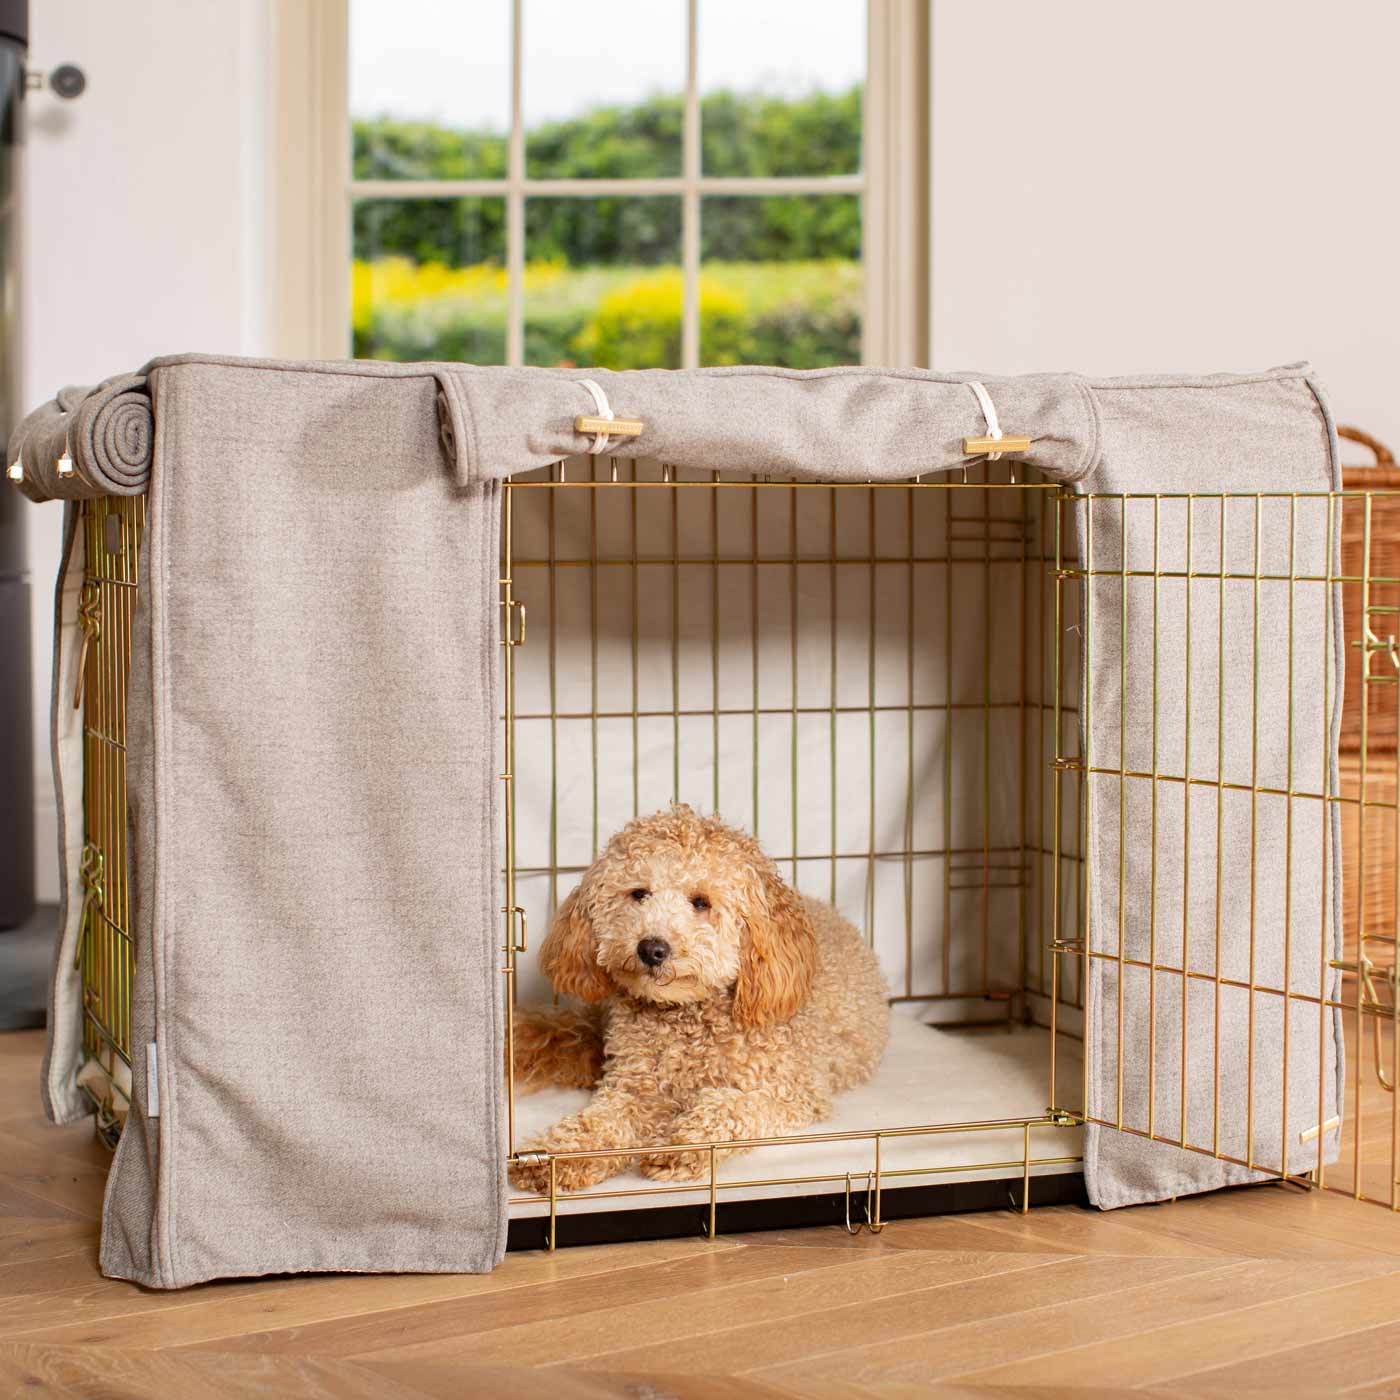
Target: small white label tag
152,1082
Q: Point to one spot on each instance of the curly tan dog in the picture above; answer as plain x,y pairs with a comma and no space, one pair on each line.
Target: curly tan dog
724,1005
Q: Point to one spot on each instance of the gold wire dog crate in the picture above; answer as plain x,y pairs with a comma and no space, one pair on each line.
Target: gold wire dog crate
887,682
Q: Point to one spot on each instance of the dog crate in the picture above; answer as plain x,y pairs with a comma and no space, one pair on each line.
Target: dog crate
890,683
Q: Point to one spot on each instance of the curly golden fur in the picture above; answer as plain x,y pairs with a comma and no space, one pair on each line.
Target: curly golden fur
722,1005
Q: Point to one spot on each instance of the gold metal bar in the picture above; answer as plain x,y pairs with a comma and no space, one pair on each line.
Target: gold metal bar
711,1231
793,741
948,739
970,1125
714,648
752,480
753,641
1317,1129
1371,1008
909,778
833,572
636,655
1152,847
553,1204
781,560
1326,829
1365,745
552,662
1188,587
1026,1169
675,648
876,1224
894,708
593,655
1038,702
986,903
1122,791
1253,840
508,795
1023,972
1010,1164
1219,827
1086,803
591,424
983,446
872,751
1288,839
1056,801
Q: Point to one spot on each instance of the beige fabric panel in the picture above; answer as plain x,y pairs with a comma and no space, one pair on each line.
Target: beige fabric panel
313,774
1238,870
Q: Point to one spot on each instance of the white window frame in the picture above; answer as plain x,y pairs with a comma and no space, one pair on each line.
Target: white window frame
314,191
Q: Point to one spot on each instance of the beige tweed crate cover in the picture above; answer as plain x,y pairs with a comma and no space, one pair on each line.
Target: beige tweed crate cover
313,767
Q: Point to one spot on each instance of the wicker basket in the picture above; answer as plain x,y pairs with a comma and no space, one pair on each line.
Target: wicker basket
1378,874
1384,564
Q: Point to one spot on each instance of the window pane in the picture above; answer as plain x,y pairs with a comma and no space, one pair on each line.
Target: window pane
603,282
429,107
429,280
780,86
604,88
780,280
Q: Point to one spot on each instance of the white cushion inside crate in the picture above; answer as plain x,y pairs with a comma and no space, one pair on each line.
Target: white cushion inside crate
928,1076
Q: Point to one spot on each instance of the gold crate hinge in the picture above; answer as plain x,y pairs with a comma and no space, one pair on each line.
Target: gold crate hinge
90,872
513,636
90,616
512,943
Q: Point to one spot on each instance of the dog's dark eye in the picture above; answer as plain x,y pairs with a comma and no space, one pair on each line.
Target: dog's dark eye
640,895
699,903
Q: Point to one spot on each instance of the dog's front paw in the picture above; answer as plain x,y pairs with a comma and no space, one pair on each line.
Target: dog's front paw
570,1174
676,1166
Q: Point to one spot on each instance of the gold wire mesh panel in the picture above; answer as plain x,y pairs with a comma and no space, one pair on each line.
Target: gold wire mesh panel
111,537
1215,592
864,676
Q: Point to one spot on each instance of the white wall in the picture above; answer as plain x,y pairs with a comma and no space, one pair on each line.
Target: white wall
1204,184
144,222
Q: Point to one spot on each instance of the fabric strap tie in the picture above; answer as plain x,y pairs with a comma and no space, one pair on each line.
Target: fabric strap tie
989,412
601,441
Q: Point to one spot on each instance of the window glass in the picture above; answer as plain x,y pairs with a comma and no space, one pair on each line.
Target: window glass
603,97
603,283
436,110
429,280
780,86
604,88
780,280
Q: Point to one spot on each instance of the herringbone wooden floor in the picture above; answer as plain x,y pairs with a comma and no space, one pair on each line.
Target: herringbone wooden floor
1266,1290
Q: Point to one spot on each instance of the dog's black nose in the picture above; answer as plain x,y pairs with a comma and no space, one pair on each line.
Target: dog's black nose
653,951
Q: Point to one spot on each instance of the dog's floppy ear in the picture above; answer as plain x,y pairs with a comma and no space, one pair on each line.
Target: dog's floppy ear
568,957
778,957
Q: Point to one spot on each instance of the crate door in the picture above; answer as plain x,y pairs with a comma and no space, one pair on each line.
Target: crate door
1223,842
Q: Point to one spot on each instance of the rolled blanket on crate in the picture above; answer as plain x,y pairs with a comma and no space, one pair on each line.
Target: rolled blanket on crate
86,442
